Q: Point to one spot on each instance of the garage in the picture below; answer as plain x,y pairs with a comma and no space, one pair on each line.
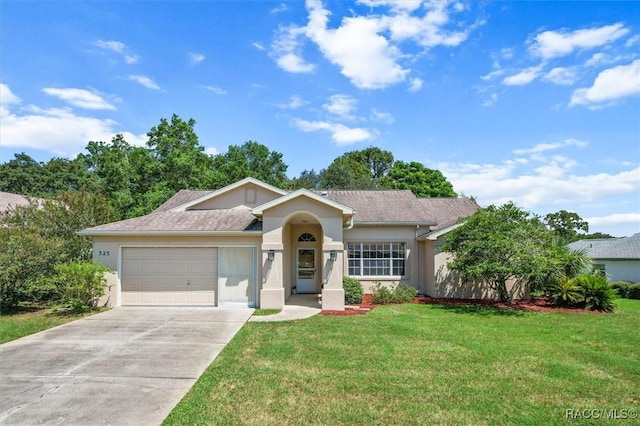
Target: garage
169,275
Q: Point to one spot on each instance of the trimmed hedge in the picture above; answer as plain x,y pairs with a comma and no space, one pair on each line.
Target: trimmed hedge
353,291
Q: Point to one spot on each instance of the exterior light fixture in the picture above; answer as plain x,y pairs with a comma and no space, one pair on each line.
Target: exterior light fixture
333,255
271,254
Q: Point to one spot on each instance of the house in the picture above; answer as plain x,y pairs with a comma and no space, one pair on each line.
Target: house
252,244
618,258
9,201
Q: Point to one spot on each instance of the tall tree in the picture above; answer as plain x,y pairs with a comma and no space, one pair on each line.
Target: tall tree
422,181
499,244
250,159
21,175
364,169
308,179
566,225
179,160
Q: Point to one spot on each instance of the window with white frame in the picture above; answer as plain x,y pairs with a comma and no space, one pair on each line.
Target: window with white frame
376,259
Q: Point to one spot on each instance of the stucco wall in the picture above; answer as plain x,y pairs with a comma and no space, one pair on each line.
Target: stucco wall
445,283
621,270
382,234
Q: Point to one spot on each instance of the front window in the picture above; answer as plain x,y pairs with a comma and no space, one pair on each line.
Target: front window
376,259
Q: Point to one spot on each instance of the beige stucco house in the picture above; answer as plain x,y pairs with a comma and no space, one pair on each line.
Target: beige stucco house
252,244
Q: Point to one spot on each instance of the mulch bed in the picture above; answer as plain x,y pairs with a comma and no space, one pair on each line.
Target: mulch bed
536,304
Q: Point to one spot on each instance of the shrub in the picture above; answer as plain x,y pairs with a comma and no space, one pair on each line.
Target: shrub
566,292
81,284
352,290
381,295
597,293
622,287
402,293
634,291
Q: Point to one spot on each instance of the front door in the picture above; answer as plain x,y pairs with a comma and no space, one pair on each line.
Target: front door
306,271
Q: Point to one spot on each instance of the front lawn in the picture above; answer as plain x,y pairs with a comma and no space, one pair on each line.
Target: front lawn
423,364
29,320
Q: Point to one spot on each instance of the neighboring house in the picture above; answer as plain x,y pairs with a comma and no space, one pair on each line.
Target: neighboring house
252,244
9,201
618,258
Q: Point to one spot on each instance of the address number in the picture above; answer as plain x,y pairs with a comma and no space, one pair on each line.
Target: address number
104,253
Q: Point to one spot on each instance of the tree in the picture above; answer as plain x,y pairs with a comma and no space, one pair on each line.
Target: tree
178,159
422,181
500,244
22,175
566,225
308,179
363,169
250,159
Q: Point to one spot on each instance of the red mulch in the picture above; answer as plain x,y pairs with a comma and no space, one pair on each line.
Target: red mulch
536,304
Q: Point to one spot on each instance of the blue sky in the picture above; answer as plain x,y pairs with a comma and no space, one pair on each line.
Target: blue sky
534,102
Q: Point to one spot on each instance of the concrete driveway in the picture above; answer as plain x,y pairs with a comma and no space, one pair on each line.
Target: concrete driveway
126,366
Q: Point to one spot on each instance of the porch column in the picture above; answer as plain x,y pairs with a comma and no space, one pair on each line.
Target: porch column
272,292
332,291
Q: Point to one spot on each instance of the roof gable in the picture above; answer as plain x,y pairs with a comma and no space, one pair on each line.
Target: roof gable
302,193
226,199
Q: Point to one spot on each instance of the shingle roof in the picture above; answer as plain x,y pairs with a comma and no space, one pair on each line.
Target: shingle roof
447,211
396,206
610,248
9,201
179,198
229,220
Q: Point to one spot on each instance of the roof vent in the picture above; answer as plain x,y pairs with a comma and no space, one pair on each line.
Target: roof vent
323,193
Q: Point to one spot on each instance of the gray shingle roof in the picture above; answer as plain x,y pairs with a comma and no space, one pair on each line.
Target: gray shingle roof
397,206
447,211
179,198
230,220
610,248
9,201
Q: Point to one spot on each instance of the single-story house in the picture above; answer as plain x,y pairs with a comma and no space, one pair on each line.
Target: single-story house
252,244
618,258
9,201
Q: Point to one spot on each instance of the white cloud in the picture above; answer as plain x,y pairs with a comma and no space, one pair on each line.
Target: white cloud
415,84
258,46
561,75
195,58
492,99
80,98
632,40
342,106
114,46
366,49
144,81
524,77
614,219
6,96
542,147
280,8
216,90
210,150
340,134
131,59
553,44
294,103
610,85
381,116
287,50
58,130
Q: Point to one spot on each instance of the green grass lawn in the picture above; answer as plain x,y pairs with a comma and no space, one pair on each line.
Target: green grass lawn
28,321
422,364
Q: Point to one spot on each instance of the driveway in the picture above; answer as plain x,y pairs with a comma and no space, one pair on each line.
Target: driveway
126,366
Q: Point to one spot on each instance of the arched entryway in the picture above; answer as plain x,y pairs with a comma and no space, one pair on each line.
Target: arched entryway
303,248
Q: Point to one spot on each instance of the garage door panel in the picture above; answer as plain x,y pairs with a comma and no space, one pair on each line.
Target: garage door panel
169,275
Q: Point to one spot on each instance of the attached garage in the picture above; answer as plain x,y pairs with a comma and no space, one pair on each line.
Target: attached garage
169,275
204,276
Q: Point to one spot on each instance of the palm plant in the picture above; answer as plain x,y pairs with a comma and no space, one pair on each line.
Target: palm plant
565,292
597,293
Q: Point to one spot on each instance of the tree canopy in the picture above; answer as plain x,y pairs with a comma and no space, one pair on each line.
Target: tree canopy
250,159
566,225
497,245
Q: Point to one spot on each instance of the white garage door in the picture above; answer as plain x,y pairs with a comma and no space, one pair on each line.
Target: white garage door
169,275
237,279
